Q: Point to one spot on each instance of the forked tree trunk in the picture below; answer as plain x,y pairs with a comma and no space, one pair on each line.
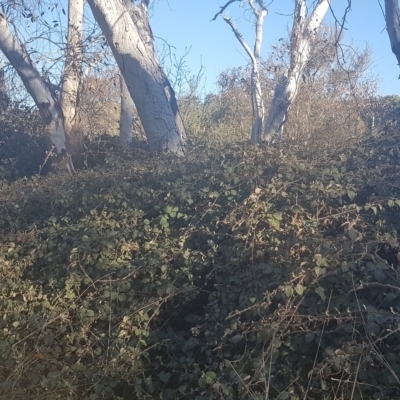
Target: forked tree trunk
392,15
149,88
72,82
303,32
49,108
259,11
126,115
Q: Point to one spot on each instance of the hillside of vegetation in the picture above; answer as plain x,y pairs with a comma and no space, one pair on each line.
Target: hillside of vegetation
234,273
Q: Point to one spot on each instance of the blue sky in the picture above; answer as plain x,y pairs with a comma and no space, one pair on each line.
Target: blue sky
186,23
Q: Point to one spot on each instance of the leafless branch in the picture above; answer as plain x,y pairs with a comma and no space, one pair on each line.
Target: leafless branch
240,38
341,24
222,9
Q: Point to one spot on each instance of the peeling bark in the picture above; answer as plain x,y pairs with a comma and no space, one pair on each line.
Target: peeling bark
150,89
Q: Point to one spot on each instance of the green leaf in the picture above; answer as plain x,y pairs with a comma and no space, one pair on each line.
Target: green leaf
202,382
319,271
275,223
301,167
353,234
300,289
167,209
310,337
164,222
321,261
351,194
164,376
236,338
210,377
213,195
321,292
289,291
182,389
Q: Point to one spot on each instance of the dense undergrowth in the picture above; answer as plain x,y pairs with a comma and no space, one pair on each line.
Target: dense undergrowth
22,144
237,273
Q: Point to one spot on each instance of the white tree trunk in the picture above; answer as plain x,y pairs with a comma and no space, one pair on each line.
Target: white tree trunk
126,116
392,15
72,80
140,17
303,33
149,88
256,91
49,109
259,11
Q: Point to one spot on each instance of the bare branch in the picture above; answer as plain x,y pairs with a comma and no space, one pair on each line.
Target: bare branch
341,24
222,9
240,38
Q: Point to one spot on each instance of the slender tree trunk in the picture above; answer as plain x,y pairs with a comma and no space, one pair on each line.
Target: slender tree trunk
256,91
49,108
303,33
149,88
392,15
72,82
259,11
4,99
126,116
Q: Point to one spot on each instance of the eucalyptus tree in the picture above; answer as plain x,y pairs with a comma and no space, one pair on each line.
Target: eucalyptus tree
49,108
59,114
259,11
129,36
72,81
305,28
126,27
